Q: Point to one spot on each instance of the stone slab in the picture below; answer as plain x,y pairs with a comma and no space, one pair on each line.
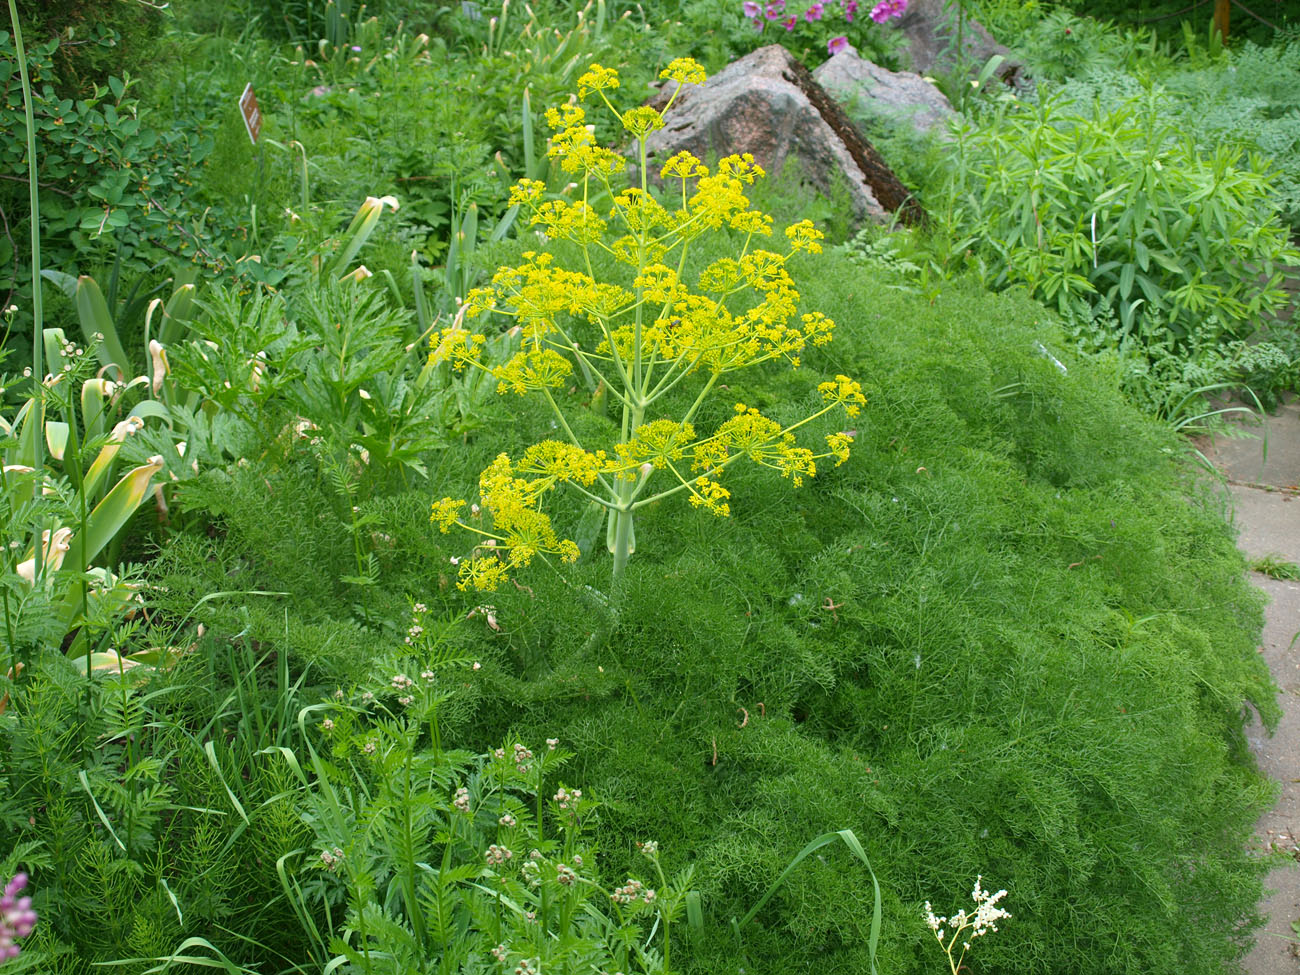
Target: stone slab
1270,455
1269,522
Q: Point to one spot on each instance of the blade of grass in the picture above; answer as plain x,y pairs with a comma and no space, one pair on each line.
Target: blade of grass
210,750
85,784
177,958
850,840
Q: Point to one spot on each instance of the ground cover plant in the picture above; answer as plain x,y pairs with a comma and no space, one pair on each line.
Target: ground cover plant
996,659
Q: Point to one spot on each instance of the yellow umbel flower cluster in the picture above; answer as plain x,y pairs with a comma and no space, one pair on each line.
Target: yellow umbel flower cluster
521,530
640,339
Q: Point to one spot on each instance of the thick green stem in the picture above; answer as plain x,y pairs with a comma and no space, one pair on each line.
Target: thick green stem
621,538
622,543
38,316
409,853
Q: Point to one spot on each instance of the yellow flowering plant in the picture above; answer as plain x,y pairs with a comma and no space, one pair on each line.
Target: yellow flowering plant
639,342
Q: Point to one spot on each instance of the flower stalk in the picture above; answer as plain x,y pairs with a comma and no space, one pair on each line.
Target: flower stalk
641,333
34,196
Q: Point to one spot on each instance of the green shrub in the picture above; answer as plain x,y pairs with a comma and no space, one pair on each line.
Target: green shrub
1060,47
97,39
987,646
1110,212
1251,98
517,878
113,186
999,640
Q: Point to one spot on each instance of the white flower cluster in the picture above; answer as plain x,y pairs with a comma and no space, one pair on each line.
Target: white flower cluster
401,682
522,758
970,926
532,873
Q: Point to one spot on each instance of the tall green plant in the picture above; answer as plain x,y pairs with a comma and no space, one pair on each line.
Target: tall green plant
87,507
643,334
38,314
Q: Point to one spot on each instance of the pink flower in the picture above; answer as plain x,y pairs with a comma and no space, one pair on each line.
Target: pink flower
16,917
789,23
887,9
850,8
751,8
775,9
837,44
814,13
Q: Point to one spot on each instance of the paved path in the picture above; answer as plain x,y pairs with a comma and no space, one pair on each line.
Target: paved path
1266,492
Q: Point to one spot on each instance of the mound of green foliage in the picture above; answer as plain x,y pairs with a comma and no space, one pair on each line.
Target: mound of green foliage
998,641
1009,637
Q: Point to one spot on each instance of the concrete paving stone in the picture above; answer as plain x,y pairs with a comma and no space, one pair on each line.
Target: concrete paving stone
1268,519
1279,758
1268,522
1266,453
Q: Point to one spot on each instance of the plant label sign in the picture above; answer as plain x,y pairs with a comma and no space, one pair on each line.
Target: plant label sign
252,114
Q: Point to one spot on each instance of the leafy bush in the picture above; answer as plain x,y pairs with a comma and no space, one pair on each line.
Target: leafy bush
516,880
113,185
976,645
1112,212
1060,47
97,39
1252,98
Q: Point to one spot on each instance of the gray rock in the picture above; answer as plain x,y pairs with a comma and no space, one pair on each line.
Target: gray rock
930,30
768,104
898,96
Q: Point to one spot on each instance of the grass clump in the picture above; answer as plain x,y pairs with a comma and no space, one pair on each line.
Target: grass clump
1275,567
